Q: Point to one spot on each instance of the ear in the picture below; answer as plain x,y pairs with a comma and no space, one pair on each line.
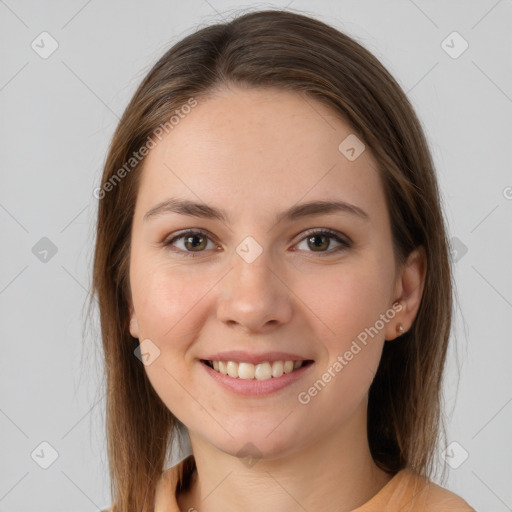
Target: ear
134,325
408,292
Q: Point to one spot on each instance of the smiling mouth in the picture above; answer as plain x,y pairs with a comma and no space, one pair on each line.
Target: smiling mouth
262,371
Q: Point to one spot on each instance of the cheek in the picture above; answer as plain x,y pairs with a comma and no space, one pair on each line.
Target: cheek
170,302
170,307
349,303
346,299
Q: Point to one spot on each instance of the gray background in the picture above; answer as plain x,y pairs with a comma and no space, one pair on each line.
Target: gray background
56,119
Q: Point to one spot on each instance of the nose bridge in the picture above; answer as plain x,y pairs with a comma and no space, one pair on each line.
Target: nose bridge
252,263
252,295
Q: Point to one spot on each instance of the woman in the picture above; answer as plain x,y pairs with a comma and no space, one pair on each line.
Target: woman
273,276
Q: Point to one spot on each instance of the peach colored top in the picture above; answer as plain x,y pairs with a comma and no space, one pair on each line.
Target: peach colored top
405,492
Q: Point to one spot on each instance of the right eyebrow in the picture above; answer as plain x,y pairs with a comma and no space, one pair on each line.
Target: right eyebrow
186,207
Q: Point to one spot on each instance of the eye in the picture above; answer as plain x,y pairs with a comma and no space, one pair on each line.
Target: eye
193,241
320,240
196,241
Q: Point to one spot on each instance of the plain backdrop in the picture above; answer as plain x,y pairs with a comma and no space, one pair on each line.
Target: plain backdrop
67,71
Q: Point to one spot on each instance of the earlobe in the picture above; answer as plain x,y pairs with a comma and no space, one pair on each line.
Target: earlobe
409,292
134,326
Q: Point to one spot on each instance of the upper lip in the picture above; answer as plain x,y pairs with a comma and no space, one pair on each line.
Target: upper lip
254,358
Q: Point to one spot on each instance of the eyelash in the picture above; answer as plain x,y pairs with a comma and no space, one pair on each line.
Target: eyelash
345,244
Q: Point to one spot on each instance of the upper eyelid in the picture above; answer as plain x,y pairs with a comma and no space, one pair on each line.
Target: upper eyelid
191,231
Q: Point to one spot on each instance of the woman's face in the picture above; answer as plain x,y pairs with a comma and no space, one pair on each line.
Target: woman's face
258,283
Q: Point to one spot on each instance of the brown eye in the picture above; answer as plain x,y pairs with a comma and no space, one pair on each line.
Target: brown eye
191,242
319,241
195,242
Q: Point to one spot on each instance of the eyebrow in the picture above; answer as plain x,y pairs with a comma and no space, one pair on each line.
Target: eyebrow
195,209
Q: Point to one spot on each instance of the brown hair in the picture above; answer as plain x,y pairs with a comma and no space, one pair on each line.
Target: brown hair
292,51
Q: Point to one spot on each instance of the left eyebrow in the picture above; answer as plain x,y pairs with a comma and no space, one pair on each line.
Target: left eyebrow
318,208
195,209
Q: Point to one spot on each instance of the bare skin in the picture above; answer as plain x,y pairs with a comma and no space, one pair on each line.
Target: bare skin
255,153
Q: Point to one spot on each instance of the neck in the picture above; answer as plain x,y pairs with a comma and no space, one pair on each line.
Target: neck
335,473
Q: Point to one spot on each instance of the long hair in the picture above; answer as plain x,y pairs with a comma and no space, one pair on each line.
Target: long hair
292,51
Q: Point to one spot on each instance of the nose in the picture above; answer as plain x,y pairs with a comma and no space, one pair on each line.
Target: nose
254,297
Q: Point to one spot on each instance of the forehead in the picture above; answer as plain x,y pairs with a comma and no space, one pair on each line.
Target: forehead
255,148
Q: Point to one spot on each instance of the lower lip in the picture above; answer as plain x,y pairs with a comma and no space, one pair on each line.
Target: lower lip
254,387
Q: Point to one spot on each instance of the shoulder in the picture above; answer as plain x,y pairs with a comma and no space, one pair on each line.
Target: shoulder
419,494
167,485
439,498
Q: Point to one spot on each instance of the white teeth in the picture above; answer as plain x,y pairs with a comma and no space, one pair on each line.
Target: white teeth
277,369
246,371
232,369
261,371
288,367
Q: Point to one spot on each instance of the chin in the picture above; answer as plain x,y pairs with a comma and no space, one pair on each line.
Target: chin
252,445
